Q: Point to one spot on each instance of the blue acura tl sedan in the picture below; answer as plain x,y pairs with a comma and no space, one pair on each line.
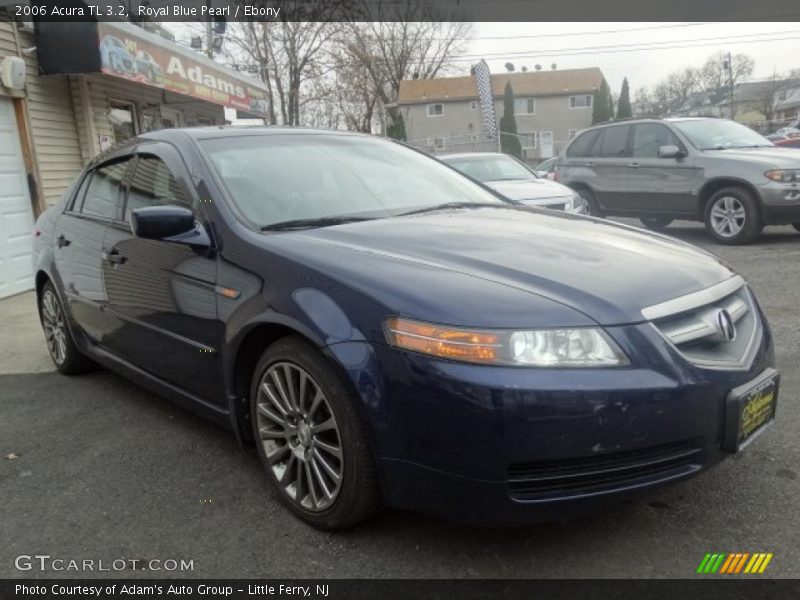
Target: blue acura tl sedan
384,330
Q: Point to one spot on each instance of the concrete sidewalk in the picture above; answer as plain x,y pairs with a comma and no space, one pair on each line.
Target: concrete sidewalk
22,345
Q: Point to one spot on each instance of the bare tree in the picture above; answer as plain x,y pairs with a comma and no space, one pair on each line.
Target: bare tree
413,41
767,97
713,75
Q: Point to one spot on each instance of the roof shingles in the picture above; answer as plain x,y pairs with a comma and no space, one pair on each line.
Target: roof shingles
537,83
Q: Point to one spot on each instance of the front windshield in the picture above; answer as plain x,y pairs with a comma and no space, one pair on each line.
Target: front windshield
278,178
490,168
719,134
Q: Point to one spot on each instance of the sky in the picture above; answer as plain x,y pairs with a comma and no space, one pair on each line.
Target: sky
775,47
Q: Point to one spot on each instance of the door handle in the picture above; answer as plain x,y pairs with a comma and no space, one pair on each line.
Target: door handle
633,165
114,257
588,164
61,241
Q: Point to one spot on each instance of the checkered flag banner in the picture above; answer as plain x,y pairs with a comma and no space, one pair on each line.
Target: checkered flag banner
483,81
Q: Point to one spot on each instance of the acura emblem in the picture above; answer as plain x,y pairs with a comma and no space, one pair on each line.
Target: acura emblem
725,325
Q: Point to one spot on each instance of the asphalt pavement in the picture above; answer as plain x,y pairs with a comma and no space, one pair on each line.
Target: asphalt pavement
102,470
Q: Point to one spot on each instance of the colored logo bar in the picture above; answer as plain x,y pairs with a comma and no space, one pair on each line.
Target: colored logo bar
734,563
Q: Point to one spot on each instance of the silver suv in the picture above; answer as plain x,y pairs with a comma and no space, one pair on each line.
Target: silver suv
712,170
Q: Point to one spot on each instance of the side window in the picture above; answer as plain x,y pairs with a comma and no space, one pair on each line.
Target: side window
649,137
581,146
615,141
102,192
153,184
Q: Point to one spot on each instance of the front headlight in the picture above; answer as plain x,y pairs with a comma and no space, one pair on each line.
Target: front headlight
783,175
555,348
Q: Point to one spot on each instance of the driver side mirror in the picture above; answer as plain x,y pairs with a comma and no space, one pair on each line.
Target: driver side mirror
168,223
670,152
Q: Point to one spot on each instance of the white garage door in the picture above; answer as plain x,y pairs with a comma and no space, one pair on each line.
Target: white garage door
16,213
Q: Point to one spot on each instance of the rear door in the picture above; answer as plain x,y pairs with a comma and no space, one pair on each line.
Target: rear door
163,293
609,156
78,241
656,184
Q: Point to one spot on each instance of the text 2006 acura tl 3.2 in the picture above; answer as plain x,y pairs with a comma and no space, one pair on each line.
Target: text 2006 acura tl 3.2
385,330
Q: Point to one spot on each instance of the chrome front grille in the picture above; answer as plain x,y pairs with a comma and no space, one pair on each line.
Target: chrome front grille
695,327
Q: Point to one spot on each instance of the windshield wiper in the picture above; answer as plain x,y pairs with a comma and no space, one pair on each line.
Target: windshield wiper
311,223
447,205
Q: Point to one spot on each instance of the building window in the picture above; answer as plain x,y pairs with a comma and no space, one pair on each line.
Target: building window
436,110
584,101
436,143
473,105
573,133
122,117
524,106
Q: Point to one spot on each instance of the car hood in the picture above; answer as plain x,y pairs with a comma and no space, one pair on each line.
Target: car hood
530,189
608,272
776,157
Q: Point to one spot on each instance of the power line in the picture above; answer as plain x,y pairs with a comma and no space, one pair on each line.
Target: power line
640,47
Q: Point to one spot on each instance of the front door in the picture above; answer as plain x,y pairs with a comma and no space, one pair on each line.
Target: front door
163,293
546,144
16,212
659,184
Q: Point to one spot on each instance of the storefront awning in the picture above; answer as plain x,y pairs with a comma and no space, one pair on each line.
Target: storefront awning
126,51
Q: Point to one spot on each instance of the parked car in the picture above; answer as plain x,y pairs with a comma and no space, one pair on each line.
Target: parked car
116,56
547,169
515,180
712,170
792,142
787,132
146,65
383,329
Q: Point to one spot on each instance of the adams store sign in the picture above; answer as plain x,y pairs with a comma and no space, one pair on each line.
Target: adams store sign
128,52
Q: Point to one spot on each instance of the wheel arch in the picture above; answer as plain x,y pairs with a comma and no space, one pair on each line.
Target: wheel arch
712,186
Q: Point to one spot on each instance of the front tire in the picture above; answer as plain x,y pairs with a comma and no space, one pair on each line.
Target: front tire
732,216
656,223
309,437
63,351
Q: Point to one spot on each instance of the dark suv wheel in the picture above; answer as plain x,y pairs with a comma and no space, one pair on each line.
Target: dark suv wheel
591,206
732,216
309,437
656,223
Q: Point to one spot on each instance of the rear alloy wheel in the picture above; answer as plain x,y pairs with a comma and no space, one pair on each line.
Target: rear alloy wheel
732,216
60,344
309,437
656,223
591,207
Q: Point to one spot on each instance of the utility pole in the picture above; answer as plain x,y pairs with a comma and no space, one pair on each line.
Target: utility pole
209,33
729,67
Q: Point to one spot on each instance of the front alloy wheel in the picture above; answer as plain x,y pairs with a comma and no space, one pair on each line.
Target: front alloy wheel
310,436
732,216
301,439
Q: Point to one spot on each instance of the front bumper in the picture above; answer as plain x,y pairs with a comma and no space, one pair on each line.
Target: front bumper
780,203
514,445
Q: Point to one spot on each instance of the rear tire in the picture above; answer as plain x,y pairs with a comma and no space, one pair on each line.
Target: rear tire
60,344
656,223
310,438
592,207
732,216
